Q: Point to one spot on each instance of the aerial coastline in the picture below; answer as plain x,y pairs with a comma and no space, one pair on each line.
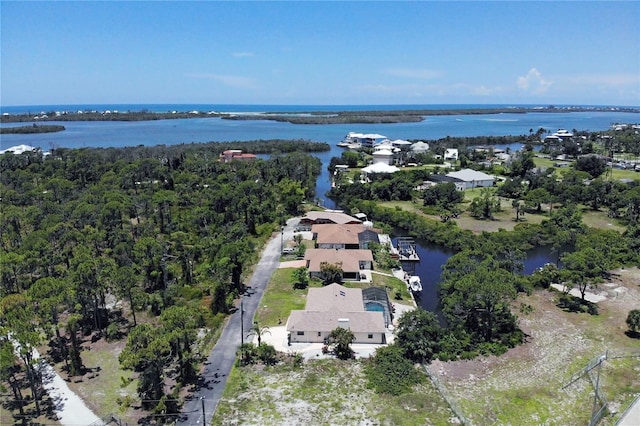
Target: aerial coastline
336,115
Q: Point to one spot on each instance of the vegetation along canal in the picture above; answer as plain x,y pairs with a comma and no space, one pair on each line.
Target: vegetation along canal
434,256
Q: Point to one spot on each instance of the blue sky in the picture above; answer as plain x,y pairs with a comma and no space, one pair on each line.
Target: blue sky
302,52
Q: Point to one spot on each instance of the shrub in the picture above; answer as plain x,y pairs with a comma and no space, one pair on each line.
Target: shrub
575,304
389,372
267,354
633,320
113,332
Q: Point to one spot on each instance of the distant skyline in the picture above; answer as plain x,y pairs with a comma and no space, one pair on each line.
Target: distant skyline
321,53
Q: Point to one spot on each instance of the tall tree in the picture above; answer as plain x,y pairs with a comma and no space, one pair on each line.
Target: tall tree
419,335
147,352
17,319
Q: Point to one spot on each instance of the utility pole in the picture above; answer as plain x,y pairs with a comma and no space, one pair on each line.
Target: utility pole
241,331
204,420
281,238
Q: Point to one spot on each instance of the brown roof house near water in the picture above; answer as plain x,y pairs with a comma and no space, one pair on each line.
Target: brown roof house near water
328,216
352,262
331,307
352,236
236,155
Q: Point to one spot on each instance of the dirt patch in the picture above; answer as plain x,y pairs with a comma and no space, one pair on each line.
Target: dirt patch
527,381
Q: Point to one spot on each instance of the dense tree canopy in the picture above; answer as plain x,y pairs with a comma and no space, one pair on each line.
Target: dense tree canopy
165,229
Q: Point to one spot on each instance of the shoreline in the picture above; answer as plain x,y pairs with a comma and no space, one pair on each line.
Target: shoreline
300,117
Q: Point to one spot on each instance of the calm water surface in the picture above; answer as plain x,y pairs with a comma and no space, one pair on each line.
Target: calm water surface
433,257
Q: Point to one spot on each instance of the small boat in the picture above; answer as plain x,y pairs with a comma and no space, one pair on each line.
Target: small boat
414,284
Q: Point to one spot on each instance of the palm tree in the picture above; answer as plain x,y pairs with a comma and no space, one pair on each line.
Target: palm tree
259,331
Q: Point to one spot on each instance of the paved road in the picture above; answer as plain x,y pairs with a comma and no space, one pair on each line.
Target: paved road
201,406
632,416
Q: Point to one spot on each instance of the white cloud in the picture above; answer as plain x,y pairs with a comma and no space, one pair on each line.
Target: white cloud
243,54
424,74
227,80
533,82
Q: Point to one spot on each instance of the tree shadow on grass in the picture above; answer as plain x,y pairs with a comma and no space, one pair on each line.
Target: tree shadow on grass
632,334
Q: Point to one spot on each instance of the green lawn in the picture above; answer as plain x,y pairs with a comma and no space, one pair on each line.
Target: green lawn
280,298
610,174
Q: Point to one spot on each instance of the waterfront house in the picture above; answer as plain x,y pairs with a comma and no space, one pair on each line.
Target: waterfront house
328,216
334,306
349,237
383,156
354,263
236,155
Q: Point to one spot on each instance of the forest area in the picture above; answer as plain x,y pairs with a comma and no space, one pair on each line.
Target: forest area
142,244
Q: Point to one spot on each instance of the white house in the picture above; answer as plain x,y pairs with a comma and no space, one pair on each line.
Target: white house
383,156
451,154
420,147
472,178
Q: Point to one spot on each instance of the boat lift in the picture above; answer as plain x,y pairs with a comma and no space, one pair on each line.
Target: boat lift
407,249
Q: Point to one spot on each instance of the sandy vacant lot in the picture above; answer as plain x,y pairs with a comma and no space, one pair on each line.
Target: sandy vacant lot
527,382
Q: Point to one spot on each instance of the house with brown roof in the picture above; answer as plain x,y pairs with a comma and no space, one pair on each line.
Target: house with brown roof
344,236
331,307
328,216
236,154
352,262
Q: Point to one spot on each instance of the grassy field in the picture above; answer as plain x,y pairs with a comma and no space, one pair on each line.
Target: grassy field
504,219
525,386
611,174
108,383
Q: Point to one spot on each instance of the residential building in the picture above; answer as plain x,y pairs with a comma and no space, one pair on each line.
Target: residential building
334,306
328,216
352,236
471,178
236,154
353,263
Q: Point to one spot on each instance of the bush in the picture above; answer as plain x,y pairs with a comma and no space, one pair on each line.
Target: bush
267,354
113,332
575,304
389,372
633,320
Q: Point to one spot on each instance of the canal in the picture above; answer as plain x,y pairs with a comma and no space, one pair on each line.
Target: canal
434,256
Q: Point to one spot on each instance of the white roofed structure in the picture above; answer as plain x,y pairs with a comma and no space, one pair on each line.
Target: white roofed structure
472,178
18,149
420,147
380,168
